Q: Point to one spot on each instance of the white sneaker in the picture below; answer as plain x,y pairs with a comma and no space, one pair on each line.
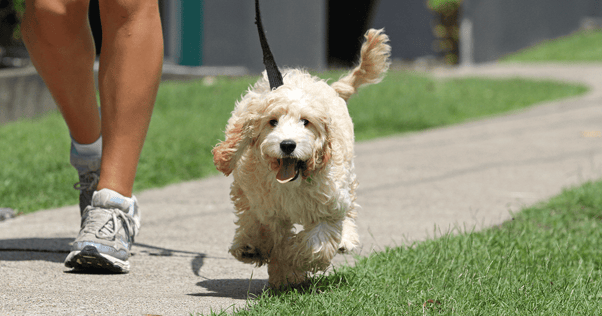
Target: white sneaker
108,228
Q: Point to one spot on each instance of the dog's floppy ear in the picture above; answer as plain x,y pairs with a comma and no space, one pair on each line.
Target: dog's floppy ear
322,156
320,159
374,62
239,135
227,153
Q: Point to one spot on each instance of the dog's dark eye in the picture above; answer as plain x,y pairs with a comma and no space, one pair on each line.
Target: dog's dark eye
274,122
305,122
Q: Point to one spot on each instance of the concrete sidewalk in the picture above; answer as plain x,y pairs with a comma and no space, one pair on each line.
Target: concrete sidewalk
466,175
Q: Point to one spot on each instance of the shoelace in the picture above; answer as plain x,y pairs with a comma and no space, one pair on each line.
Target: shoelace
119,213
104,231
89,182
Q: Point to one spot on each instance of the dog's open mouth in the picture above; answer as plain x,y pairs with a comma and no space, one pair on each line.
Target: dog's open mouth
290,168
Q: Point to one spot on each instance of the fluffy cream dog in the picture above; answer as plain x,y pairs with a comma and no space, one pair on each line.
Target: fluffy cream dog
290,150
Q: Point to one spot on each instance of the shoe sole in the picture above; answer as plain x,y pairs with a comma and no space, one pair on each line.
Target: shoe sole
90,259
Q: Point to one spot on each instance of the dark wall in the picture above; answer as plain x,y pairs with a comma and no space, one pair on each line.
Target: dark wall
8,21
505,26
94,18
295,30
347,21
408,24
311,33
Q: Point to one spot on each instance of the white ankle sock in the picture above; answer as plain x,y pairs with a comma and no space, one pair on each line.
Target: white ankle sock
94,149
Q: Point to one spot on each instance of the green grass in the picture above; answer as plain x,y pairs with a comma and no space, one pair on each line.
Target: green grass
188,121
546,261
406,103
190,118
584,46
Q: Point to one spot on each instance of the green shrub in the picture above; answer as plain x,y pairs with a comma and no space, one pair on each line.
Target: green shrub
443,5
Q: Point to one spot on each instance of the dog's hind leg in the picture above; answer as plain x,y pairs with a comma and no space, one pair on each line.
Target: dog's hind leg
282,271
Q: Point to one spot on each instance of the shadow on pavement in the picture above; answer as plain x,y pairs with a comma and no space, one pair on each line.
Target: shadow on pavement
25,249
56,249
233,288
197,257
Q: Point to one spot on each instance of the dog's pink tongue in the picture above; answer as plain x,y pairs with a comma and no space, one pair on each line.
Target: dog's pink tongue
287,170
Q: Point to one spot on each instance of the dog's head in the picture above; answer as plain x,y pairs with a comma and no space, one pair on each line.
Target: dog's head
288,128
295,123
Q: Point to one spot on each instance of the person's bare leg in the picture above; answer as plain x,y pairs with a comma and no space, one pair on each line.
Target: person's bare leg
130,69
60,45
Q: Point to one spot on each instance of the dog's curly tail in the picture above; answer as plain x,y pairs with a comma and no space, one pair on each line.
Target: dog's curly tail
374,62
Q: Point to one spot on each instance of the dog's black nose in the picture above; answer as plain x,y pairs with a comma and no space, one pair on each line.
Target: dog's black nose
288,146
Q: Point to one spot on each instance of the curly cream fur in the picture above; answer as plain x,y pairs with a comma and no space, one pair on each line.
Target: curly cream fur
374,62
321,198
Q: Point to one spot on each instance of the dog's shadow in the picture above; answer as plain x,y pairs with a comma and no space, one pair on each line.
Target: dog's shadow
233,288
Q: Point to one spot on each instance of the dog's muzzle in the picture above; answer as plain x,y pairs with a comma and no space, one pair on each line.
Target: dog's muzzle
290,168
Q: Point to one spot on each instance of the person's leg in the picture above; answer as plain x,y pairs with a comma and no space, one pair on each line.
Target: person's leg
130,69
61,47
60,44
58,37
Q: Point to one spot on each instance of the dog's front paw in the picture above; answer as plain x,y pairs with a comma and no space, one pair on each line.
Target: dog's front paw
249,254
347,246
316,247
350,240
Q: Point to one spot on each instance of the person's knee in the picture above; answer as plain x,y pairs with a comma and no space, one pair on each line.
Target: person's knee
115,13
54,20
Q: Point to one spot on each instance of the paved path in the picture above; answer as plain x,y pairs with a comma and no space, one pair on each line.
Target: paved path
468,175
